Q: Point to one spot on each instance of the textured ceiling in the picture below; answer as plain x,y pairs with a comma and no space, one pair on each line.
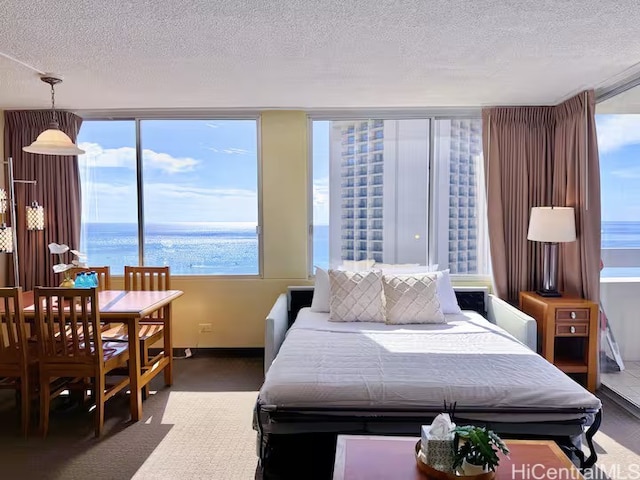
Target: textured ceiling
312,53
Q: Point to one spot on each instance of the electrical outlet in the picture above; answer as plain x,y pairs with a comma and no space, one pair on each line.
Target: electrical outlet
205,328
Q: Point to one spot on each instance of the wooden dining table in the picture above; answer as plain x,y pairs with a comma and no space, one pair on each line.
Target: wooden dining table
129,307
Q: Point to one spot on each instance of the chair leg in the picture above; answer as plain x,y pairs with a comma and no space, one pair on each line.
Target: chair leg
145,361
26,401
99,396
45,394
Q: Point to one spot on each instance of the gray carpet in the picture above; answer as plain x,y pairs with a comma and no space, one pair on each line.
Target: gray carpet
198,429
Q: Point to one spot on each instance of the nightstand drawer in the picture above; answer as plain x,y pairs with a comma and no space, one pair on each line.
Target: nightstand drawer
573,314
572,329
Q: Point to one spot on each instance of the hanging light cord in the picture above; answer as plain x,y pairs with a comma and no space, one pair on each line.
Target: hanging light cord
54,121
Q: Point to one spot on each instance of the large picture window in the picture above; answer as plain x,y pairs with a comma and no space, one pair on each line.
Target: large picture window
383,192
198,190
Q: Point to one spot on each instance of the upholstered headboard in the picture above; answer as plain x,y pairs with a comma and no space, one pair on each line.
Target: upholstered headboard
469,298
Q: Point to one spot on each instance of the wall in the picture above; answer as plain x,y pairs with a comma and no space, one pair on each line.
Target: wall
236,308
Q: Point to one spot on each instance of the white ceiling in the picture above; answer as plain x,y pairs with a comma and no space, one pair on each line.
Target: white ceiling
312,53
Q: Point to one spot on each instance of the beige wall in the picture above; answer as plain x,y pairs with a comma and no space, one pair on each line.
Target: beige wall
236,308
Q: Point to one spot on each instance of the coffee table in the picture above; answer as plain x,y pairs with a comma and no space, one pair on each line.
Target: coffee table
360,457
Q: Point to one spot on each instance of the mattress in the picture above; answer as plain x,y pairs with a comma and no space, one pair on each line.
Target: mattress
468,361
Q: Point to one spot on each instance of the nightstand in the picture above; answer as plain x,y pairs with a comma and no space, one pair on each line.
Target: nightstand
567,333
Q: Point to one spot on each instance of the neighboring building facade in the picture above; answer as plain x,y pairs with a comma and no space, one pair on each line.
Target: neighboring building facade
383,200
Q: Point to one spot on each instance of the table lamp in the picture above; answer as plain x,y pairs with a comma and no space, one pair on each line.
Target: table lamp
551,225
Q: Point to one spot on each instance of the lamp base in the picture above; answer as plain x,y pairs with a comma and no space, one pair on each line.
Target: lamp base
548,293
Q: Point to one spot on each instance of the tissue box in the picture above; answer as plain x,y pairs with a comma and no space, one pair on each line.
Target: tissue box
437,453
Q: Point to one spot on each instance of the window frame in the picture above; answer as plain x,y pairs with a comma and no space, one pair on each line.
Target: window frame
393,114
137,118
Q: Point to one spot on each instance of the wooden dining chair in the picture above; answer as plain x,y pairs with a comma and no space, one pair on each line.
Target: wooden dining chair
18,358
104,275
80,354
152,327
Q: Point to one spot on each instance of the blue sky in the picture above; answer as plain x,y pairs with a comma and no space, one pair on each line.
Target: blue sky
206,170
194,171
619,147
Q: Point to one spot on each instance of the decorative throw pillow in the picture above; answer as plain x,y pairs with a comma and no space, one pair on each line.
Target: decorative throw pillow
412,298
321,294
356,296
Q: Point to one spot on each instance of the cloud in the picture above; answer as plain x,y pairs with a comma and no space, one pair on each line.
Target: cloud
125,157
617,131
196,193
627,173
212,125
320,192
230,151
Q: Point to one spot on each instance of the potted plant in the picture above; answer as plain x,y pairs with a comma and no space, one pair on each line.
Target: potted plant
477,450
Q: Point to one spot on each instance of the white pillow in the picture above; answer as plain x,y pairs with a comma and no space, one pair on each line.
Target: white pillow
412,299
321,294
357,265
404,268
356,296
446,295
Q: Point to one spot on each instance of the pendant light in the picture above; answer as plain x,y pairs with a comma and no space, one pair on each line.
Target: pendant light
53,141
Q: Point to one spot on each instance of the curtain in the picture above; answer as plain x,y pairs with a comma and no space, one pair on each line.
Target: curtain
537,156
57,188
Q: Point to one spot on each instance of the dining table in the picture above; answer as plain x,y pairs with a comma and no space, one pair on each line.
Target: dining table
129,307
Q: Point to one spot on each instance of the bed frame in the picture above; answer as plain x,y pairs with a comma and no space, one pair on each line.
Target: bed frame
284,433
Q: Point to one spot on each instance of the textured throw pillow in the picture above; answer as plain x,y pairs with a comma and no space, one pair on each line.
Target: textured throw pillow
356,296
412,298
321,294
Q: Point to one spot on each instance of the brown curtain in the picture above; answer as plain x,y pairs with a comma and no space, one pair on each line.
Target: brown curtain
537,156
57,189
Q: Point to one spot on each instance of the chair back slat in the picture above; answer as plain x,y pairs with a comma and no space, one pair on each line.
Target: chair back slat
104,275
68,324
147,279
154,279
13,330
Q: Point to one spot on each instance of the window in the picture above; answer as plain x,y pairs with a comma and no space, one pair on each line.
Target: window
199,195
619,147
391,217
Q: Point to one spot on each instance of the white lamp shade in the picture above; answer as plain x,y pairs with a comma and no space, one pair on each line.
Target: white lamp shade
552,224
35,217
53,142
6,239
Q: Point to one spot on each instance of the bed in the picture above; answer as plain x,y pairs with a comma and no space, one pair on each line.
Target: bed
359,377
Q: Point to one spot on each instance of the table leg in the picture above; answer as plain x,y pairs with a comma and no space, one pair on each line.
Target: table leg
133,332
168,346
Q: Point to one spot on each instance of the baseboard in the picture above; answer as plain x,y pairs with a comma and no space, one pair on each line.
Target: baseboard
619,400
215,352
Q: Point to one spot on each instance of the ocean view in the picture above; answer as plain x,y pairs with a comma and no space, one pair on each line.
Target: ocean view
232,248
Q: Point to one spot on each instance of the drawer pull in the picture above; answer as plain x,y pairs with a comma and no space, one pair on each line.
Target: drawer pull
573,317
572,329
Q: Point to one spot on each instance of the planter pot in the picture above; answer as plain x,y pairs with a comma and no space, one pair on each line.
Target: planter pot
471,469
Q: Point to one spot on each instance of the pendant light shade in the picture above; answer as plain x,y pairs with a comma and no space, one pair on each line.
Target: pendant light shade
6,239
53,141
35,217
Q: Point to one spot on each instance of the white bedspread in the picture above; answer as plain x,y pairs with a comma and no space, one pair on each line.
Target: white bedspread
468,360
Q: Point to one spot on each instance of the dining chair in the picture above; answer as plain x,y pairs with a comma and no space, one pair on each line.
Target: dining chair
80,353
151,327
18,358
104,275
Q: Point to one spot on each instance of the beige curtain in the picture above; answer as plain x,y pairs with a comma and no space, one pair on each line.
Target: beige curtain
537,156
57,189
